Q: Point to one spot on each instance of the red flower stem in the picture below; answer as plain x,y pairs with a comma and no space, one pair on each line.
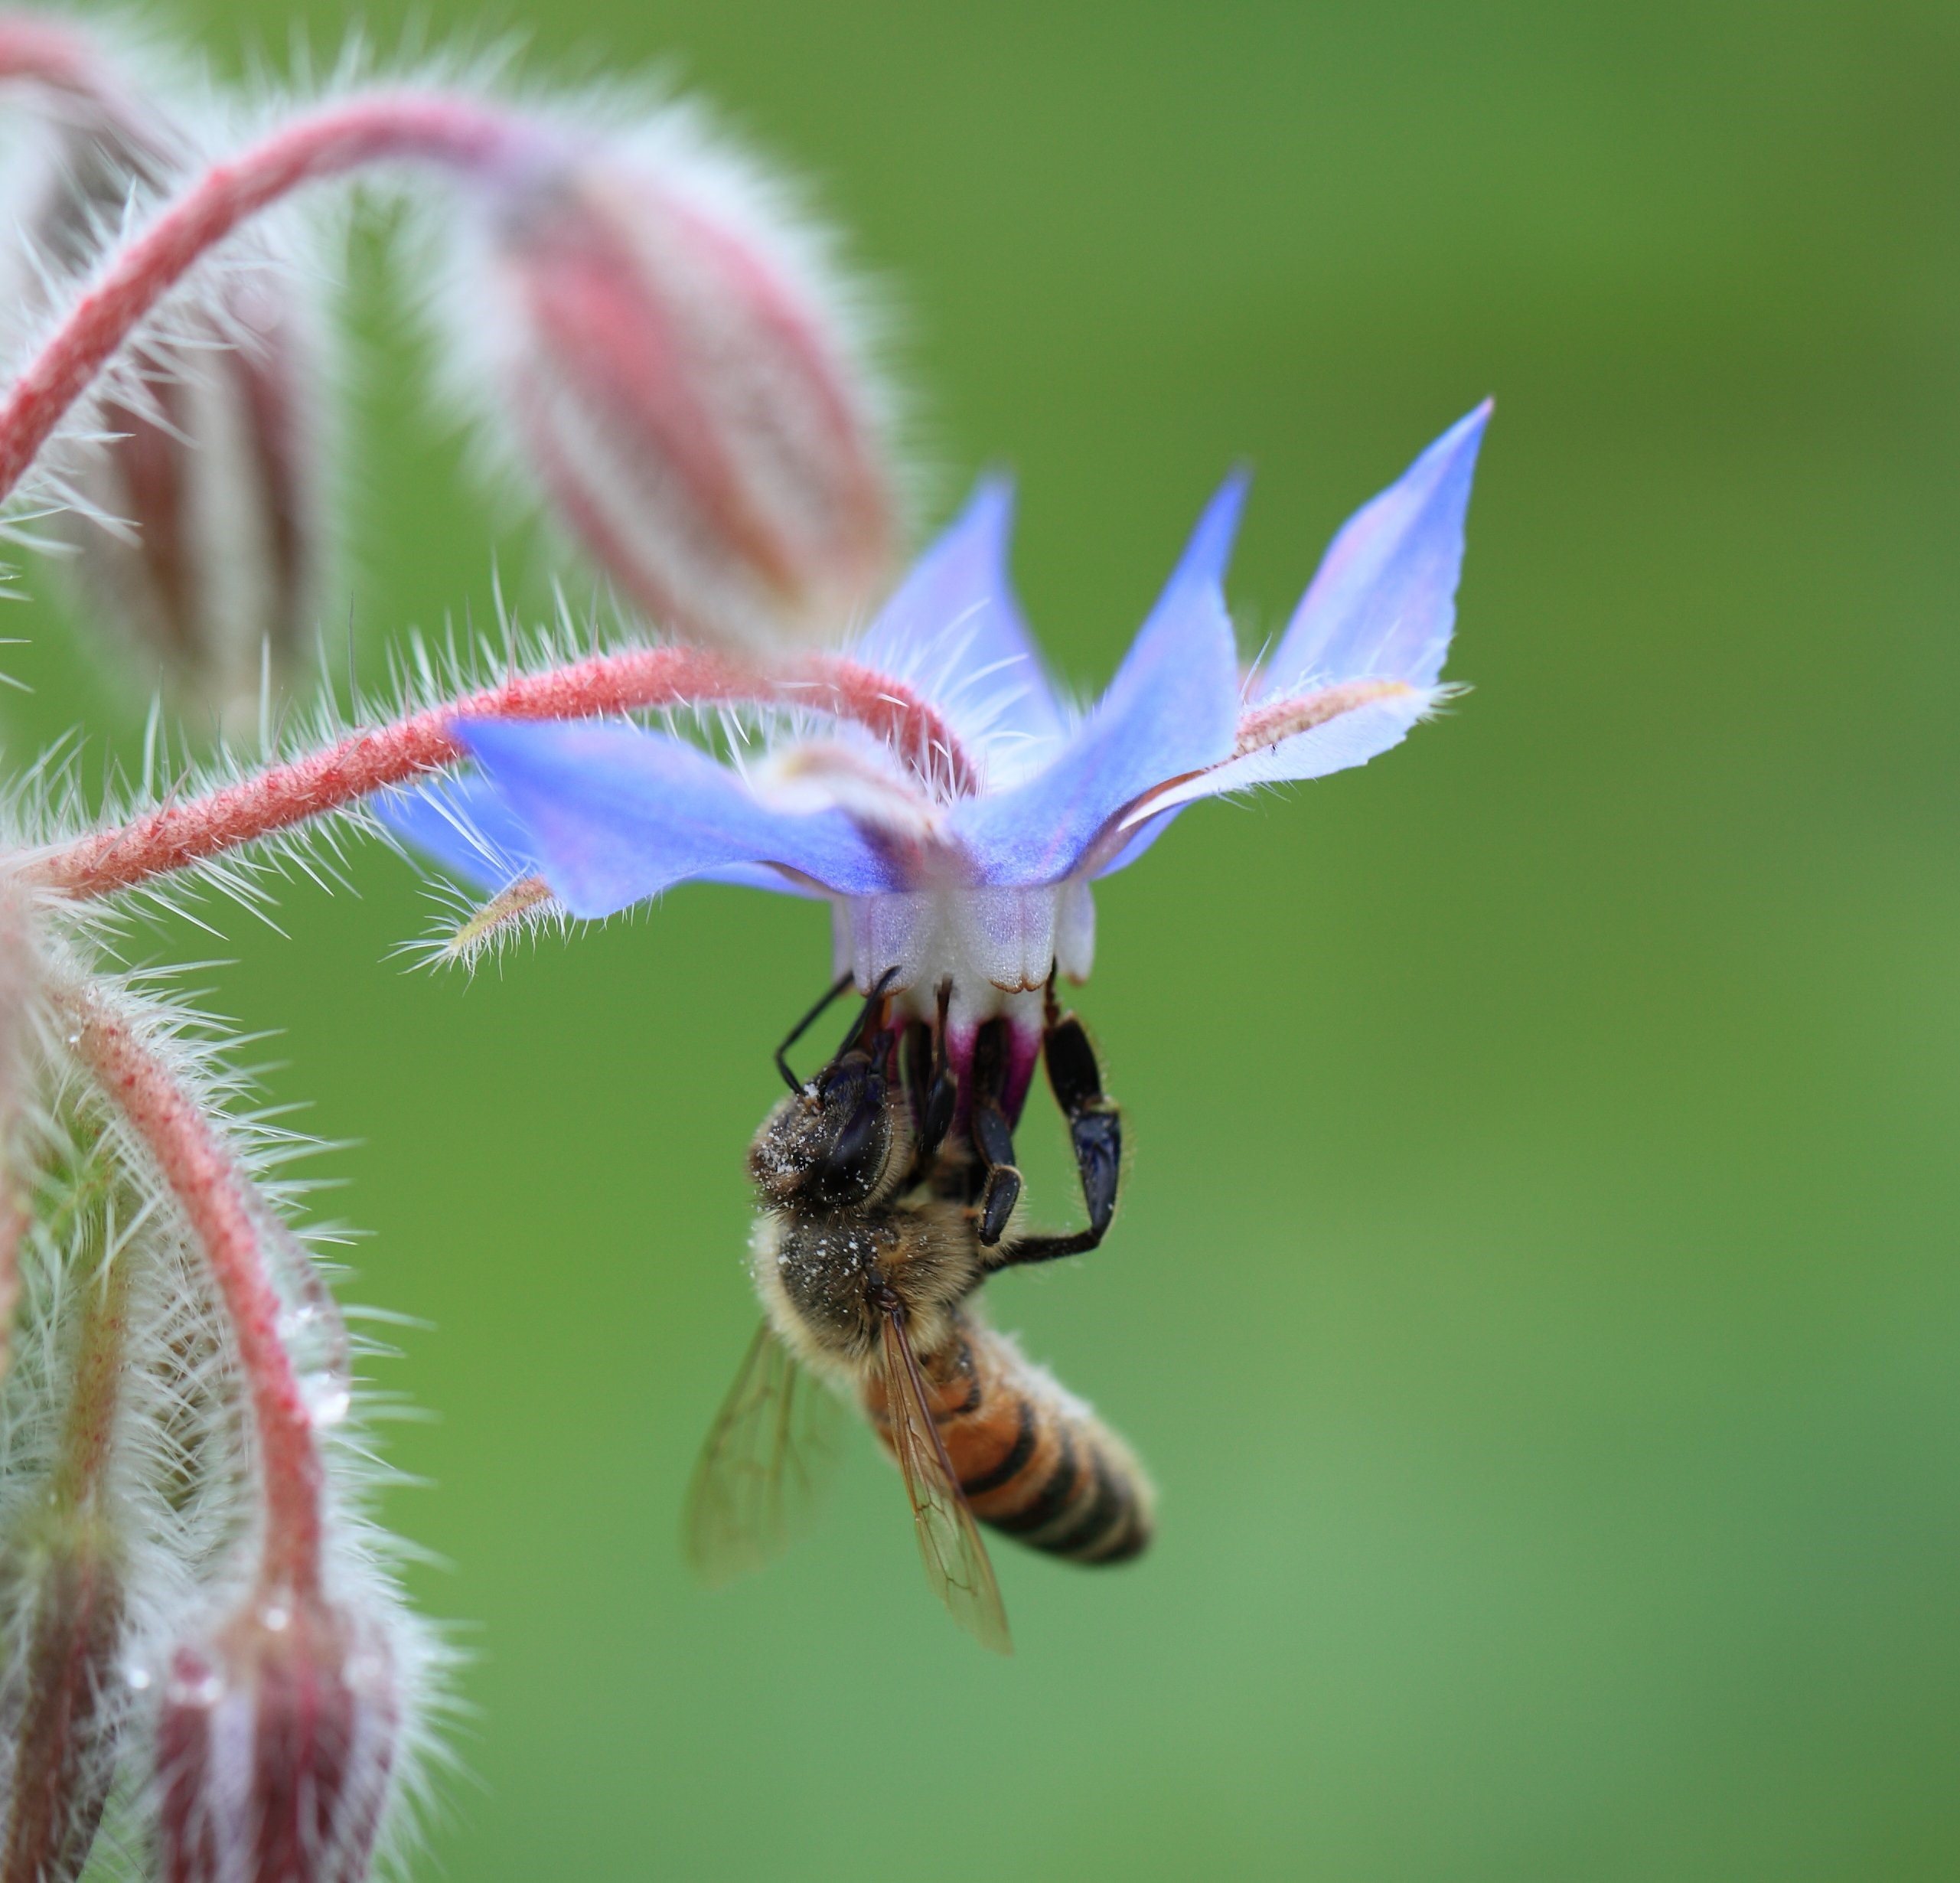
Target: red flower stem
33,46
225,1216
178,836
329,142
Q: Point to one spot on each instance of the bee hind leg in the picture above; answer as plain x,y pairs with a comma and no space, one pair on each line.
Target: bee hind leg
1095,1135
993,1140
1095,1126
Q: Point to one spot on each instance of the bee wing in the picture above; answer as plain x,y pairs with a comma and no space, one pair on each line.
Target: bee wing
949,1540
765,1468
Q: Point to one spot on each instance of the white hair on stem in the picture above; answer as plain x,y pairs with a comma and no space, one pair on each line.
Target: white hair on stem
181,1474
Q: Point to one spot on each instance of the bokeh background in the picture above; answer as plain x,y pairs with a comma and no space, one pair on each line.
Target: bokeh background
1537,1289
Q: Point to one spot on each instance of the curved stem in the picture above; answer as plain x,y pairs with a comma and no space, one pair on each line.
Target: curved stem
178,836
338,138
226,1216
33,46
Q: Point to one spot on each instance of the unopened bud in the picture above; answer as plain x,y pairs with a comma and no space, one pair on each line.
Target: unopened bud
275,1746
61,1697
683,381
198,539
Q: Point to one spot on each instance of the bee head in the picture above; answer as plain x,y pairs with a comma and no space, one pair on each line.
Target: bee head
844,1140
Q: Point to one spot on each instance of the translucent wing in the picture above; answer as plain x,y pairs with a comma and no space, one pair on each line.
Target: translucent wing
949,1540
763,1471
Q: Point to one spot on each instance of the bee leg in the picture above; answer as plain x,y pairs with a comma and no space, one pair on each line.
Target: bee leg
1095,1134
1044,1248
1095,1126
942,1087
995,1143
934,1092
993,1140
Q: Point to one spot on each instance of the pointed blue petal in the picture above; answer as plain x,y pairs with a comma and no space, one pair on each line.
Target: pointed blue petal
953,629
613,815
1209,554
1172,708
1381,608
1384,600
1354,737
463,824
1135,840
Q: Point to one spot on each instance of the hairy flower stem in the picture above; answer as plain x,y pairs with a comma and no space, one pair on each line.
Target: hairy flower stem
339,137
60,1719
178,836
226,1217
33,46
13,1226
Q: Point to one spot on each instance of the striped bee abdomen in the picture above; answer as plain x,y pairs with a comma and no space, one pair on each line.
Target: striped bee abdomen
1033,1461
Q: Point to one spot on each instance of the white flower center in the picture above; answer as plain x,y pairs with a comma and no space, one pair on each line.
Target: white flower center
996,947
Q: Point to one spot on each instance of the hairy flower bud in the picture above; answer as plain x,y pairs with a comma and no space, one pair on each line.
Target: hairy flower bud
681,381
197,537
275,1747
60,1702
62,1609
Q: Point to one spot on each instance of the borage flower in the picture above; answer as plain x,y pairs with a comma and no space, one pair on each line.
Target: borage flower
962,884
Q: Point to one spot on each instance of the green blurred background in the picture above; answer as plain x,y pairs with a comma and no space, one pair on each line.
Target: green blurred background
1537,1290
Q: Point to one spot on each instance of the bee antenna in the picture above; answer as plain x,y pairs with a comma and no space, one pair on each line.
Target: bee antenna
803,1026
862,1025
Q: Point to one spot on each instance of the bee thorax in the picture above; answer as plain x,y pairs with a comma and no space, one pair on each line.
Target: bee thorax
828,1280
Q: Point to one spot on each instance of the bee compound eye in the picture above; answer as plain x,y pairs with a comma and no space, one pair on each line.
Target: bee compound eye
859,1136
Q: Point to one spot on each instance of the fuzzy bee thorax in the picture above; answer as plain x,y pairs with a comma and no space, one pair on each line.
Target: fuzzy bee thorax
824,1279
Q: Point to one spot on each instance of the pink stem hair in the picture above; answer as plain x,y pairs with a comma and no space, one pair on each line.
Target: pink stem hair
178,836
227,1217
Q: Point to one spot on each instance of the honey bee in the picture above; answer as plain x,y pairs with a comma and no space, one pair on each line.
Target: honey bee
886,1206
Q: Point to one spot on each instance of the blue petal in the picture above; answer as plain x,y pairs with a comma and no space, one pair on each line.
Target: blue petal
1381,608
955,630
1384,600
1172,708
463,824
1352,738
613,815
1136,840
